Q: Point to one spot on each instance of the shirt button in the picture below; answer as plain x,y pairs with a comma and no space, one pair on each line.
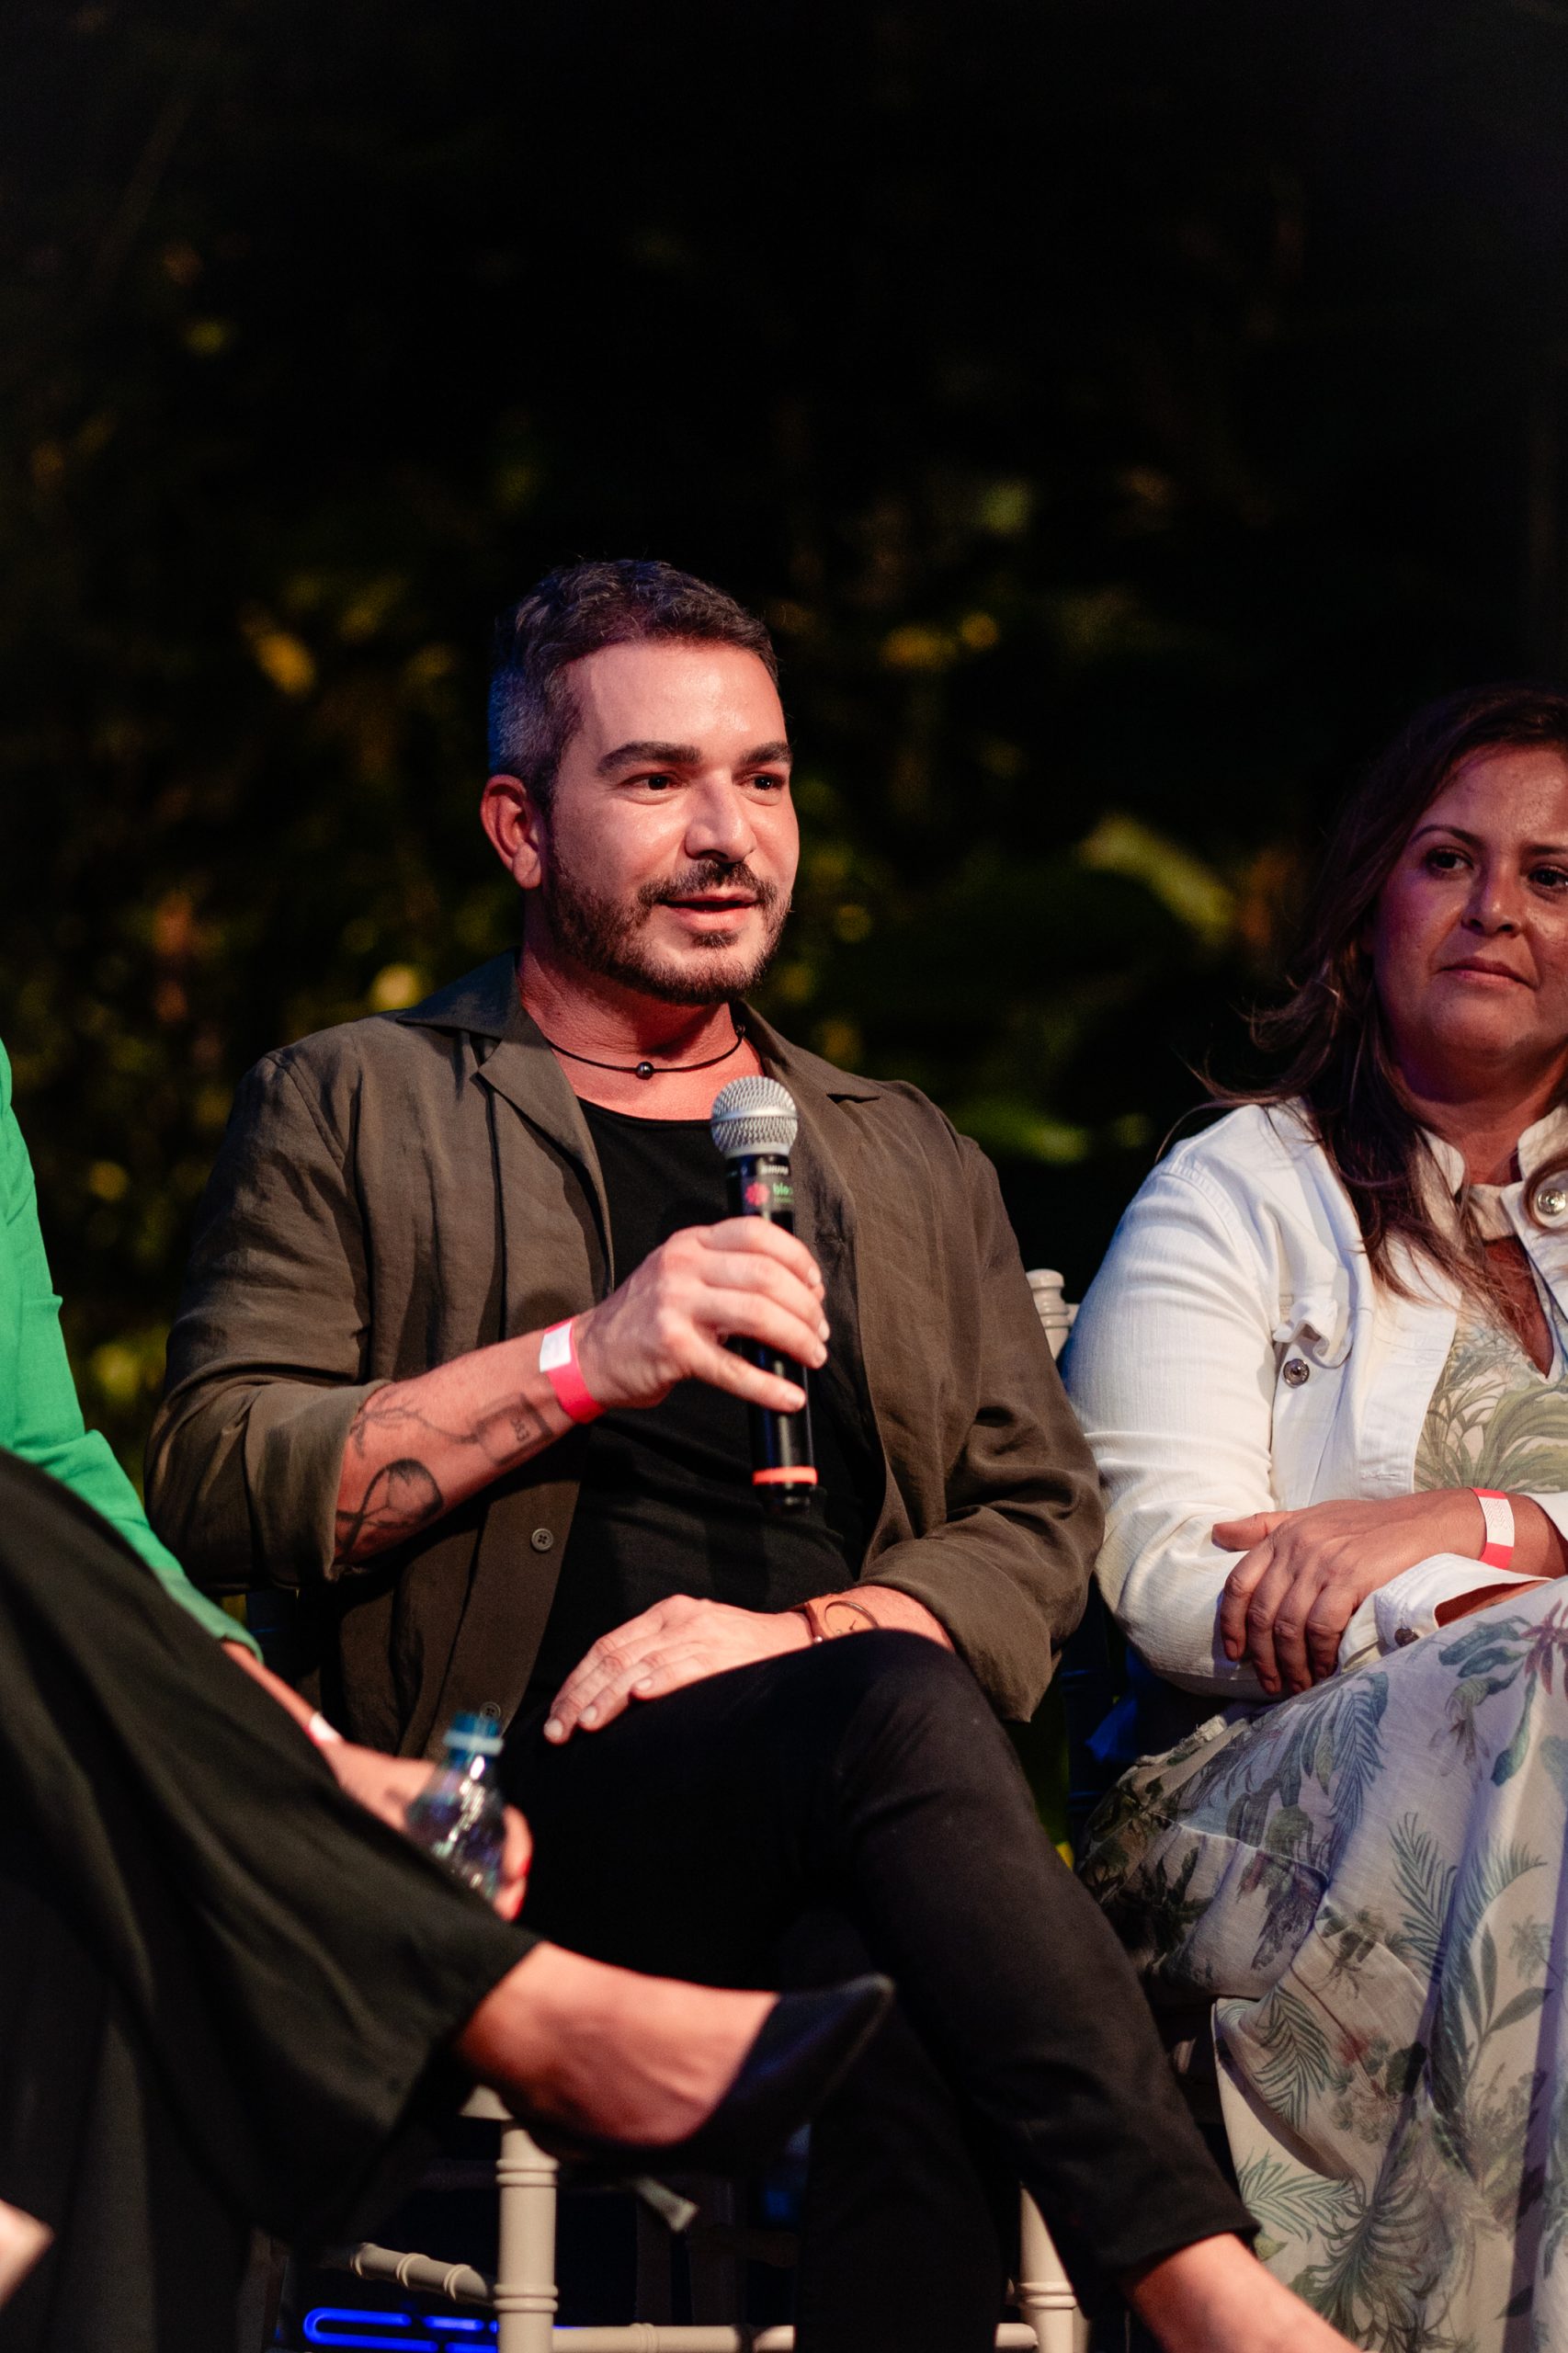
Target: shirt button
1295,1372
541,1539
1551,1202
1406,1636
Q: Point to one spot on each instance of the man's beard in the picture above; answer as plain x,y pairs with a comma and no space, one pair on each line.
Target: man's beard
608,936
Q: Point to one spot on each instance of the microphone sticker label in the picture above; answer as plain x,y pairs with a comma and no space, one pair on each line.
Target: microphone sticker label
761,1194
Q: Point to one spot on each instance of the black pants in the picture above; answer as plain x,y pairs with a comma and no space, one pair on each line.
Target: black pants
225,1988
860,1799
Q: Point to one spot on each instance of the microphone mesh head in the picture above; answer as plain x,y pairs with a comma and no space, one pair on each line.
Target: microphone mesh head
754,1115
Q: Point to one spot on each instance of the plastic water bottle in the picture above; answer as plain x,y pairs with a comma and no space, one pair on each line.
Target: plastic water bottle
459,1816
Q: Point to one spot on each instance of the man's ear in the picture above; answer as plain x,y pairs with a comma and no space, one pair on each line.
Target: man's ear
515,823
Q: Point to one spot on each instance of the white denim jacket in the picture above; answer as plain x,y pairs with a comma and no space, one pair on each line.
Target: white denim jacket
1235,1356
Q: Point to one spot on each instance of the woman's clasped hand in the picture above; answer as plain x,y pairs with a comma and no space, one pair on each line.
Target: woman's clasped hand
1304,1573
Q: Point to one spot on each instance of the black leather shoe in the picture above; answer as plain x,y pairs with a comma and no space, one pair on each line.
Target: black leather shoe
804,2048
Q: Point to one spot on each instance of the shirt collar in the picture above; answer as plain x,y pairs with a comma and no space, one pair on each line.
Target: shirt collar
518,1066
1543,1144
485,1004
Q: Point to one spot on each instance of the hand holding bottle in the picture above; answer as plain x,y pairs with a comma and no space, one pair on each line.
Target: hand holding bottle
459,1815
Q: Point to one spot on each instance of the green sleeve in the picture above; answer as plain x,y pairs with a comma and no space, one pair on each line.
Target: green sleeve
39,1417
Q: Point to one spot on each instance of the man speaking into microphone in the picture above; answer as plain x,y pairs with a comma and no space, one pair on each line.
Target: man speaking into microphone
467,1352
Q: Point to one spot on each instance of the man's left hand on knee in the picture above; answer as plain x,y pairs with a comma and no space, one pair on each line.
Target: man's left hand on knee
677,1643
681,1641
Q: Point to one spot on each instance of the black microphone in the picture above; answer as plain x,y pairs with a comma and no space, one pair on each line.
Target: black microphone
754,1121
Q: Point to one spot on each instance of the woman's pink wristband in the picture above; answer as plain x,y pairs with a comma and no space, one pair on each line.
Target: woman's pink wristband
1497,1552
558,1362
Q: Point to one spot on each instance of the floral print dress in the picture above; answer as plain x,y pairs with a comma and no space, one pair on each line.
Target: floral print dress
1370,1882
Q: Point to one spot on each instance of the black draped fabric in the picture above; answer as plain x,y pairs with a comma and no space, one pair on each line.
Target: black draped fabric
225,1989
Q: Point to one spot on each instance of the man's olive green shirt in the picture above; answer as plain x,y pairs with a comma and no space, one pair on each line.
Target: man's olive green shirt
398,1191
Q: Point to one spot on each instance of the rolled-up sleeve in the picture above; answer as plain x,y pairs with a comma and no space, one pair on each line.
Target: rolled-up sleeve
265,1368
1406,1608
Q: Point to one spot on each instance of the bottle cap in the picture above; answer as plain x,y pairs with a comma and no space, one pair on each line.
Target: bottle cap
475,1734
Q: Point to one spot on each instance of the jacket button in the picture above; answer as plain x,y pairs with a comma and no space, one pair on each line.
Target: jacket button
1406,1636
541,1539
1295,1372
1551,1202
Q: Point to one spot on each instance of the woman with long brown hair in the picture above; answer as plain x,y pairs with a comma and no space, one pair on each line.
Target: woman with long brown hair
1322,1369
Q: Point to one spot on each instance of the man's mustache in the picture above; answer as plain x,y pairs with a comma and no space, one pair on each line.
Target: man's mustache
712,874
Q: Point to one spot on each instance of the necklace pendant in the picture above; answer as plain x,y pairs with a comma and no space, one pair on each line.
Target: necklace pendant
644,1070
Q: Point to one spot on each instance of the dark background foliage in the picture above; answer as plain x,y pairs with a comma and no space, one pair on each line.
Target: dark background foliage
1124,413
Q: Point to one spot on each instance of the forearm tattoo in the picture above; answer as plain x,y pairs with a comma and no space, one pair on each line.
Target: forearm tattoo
398,1500
401,1497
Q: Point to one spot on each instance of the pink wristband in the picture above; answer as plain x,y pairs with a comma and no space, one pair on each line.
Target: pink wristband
1497,1552
558,1362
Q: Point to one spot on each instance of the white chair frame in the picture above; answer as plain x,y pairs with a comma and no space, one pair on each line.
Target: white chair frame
523,2297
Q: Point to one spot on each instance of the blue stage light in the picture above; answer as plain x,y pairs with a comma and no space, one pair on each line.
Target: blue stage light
362,2327
325,2326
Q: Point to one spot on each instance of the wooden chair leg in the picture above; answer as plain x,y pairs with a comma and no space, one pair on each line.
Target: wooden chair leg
525,2283
524,2298
1045,2293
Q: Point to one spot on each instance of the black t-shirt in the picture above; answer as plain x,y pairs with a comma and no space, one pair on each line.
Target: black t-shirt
667,1504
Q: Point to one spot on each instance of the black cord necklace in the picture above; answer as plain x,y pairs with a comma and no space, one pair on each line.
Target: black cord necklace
652,1070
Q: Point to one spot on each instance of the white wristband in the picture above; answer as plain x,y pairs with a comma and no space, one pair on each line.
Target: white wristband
325,1735
1498,1514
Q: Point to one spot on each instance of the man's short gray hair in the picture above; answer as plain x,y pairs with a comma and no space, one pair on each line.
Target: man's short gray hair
573,611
